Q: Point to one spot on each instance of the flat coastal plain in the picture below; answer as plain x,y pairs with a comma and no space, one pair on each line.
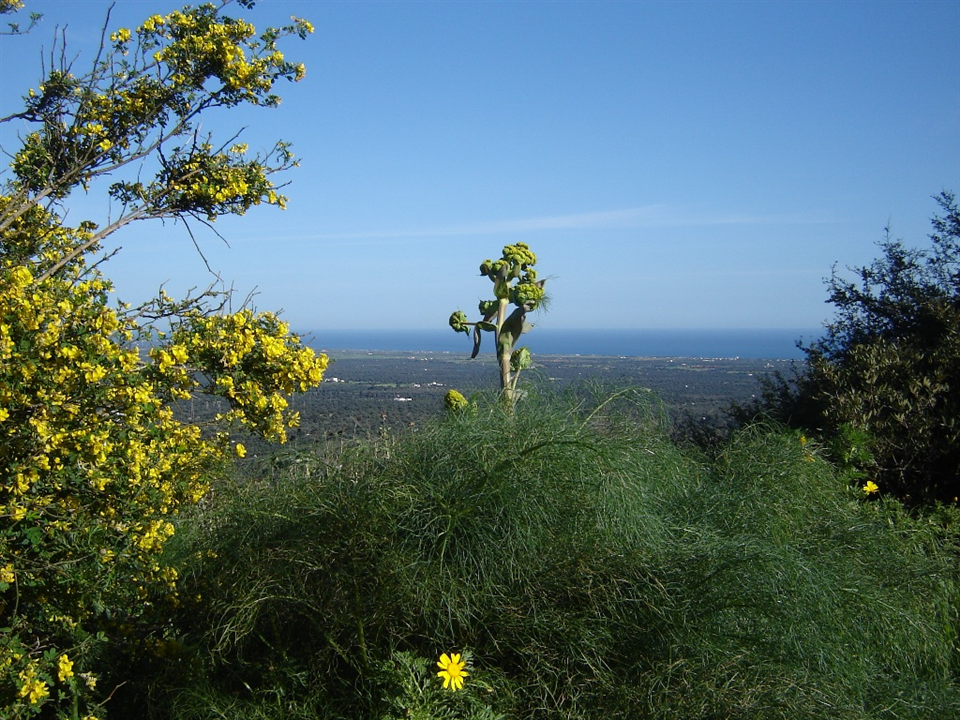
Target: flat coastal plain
368,393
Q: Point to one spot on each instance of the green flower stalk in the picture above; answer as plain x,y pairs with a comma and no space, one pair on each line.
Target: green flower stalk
514,283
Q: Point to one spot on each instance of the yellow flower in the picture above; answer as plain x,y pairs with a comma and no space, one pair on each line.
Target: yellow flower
7,575
870,488
64,668
34,691
451,670
241,450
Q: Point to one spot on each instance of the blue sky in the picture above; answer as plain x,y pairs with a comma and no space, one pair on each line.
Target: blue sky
673,164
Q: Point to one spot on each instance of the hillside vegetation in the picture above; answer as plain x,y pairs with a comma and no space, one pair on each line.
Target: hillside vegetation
548,551
583,564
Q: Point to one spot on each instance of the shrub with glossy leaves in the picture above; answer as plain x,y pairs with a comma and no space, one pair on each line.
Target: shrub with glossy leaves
886,368
889,362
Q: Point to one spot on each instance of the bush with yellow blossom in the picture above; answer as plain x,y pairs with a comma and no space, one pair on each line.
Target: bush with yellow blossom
94,462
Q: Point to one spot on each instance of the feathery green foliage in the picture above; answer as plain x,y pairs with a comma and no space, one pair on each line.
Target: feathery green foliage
589,567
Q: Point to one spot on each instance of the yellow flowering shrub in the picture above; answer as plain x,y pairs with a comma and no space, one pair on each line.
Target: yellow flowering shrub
250,360
94,461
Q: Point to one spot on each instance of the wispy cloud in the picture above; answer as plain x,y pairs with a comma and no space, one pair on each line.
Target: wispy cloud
629,218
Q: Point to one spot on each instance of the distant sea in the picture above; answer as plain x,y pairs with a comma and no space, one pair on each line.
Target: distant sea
751,344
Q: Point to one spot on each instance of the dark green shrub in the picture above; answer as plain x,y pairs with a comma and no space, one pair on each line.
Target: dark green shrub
795,596
888,365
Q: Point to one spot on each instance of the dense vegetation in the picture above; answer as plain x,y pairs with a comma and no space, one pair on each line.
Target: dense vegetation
585,565
555,556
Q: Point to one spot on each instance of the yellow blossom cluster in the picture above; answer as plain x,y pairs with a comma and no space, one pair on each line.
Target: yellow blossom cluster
215,183
250,359
162,76
32,688
90,459
34,237
36,679
197,44
64,668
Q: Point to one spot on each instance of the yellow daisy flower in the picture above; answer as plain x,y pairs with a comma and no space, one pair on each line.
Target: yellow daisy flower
451,670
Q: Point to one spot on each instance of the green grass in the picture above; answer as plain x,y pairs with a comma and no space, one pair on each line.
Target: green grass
591,567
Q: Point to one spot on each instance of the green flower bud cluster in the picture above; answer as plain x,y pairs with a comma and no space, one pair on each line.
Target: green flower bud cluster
517,261
527,295
516,264
520,359
519,255
487,307
459,322
455,401
489,268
